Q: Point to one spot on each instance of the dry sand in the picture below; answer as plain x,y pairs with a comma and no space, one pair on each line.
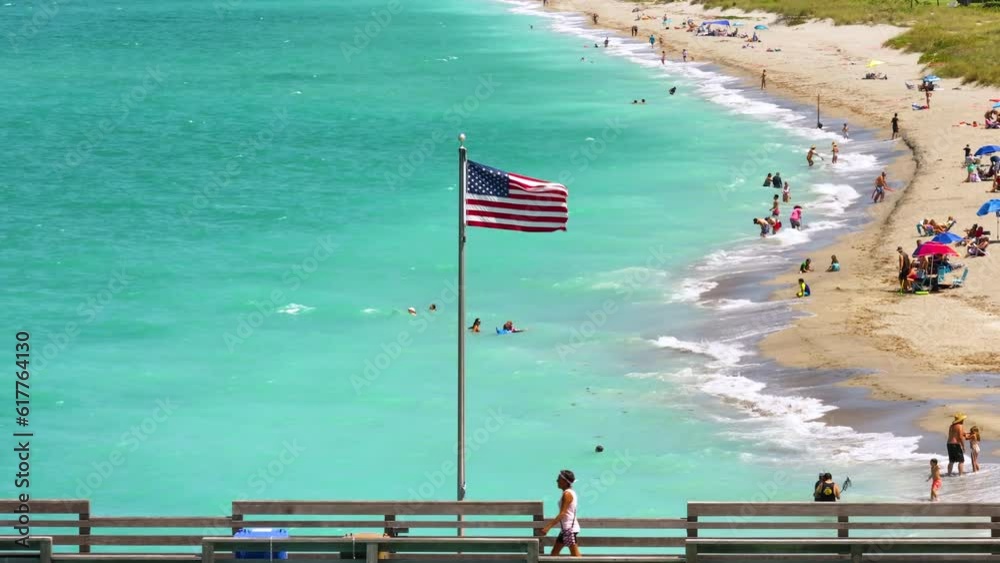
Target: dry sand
911,345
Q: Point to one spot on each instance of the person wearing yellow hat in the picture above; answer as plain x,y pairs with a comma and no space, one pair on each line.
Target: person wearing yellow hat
956,444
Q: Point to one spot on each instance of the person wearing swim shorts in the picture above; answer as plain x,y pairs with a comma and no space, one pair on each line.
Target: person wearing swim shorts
566,519
956,445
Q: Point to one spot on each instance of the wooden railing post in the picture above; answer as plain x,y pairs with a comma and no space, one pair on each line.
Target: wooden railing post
995,532
45,550
690,552
537,532
371,552
85,531
532,552
856,553
391,532
207,552
234,518
842,532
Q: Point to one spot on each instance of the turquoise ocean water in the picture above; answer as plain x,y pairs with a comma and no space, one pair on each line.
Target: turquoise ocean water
219,214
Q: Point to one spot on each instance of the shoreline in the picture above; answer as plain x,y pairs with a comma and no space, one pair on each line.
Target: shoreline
855,321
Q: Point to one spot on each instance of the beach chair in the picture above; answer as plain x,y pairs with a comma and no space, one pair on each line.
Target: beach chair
959,282
941,277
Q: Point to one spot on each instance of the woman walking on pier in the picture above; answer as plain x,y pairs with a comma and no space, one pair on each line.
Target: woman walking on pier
566,519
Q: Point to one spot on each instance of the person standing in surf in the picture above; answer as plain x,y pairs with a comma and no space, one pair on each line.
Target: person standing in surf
935,479
956,445
566,519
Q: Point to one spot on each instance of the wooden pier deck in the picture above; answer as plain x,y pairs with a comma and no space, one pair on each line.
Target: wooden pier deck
510,532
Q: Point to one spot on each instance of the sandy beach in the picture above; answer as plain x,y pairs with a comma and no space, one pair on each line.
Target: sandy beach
910,347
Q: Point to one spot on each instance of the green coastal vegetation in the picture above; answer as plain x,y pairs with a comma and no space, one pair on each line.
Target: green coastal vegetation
954,42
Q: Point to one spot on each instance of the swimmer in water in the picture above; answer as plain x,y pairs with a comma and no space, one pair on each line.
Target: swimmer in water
475,326
412,311
673,90
509,326
432,308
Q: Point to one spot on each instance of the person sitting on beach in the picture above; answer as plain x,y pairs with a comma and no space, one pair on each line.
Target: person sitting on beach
834,264
803,289
905,269
475,325
996,183
805,266
796,217
973,175
978,247
827,491
767,181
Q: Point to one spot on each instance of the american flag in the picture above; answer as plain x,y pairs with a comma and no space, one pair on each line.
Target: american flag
495,199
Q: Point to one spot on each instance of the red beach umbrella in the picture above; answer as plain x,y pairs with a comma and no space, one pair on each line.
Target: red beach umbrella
934,248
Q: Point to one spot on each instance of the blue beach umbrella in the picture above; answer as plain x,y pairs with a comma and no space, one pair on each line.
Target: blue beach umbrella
931,78
987,149
760,26
946,238
996,105
738,24
991,206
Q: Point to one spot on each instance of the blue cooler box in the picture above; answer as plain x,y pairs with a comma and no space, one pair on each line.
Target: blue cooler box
261,533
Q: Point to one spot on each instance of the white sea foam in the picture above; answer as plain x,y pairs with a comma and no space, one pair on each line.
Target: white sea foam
834,199
725,354
369,311
294,309
731,304
691,289
791,422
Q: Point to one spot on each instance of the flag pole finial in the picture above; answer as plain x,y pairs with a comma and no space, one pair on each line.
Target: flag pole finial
461,139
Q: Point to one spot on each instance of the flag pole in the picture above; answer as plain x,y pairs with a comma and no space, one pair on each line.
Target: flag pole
461,320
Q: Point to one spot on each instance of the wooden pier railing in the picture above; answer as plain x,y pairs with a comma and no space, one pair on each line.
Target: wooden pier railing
710,531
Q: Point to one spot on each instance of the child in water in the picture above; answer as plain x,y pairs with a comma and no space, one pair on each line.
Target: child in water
936,477
803,289
973,437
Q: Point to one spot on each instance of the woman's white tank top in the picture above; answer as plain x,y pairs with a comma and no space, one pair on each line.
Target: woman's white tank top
569,522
